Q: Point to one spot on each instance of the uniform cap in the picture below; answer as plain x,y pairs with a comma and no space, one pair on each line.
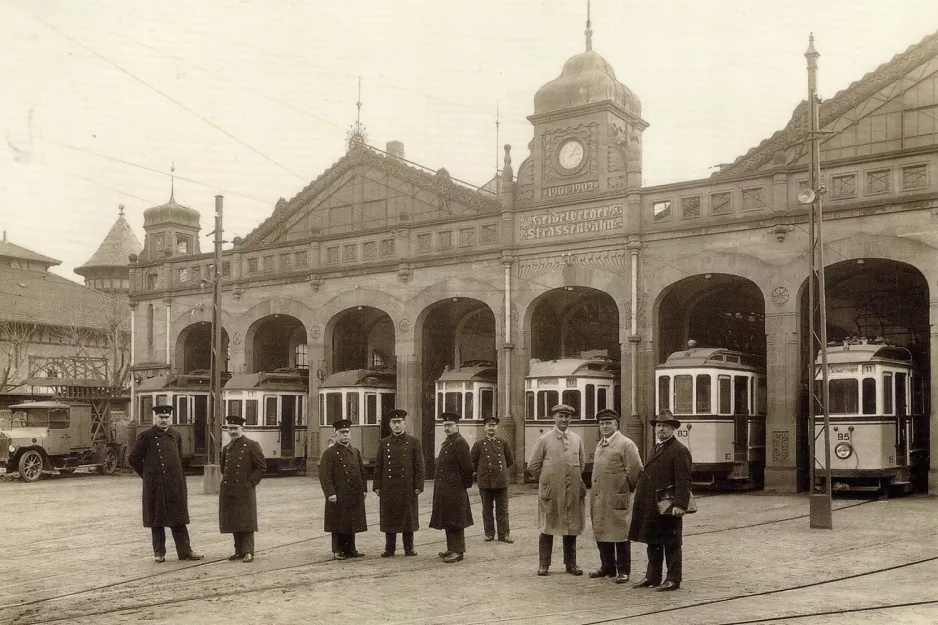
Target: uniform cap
397,413
163,409
450,416
491,419
607,414
234,420
341,424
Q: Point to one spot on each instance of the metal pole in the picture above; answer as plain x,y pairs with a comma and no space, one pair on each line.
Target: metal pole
213,424
821,516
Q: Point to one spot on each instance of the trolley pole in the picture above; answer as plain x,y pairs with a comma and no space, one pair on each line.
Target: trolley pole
821,516
212,473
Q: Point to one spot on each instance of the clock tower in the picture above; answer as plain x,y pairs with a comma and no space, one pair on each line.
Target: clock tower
587,134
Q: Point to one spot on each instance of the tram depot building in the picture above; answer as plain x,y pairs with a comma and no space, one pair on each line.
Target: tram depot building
381,263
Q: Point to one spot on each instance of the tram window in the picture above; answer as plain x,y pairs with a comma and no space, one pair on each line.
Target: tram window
486,403
869,396
301,409
250,412
572,399
726,394
684,394
887,393
470,405
844,396
529,414
387,402
545,401
270,410
333,410
182,410
146,408
351,405
664,393
590,401
233,407
918,395
602,398
161,400
452,402
741,394
702,394
902,406
761,395
439,405
371,408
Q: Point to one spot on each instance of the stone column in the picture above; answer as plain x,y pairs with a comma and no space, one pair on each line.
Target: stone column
318,370
933,400
784,435
409,398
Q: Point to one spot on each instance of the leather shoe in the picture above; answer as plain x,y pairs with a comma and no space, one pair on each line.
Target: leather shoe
387,554
542,571
573,569
443,554
669,585
410,552
453,557
622,578
159,558
192,556
236,556
645,583
507,539
248,557
356,554
339,556
601,573
489,539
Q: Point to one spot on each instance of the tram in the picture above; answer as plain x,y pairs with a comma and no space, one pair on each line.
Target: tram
470,391
274,407
878,418
719,396
190,395
363,396
589,384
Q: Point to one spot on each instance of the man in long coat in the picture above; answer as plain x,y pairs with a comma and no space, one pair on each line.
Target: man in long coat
491,459
557,462
617,466
669,465
157,458
451,511
398,481
343,479
242,468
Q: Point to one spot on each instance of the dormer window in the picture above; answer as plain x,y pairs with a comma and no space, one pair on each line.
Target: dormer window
182,244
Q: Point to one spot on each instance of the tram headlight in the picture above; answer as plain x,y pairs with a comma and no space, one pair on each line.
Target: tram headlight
843,450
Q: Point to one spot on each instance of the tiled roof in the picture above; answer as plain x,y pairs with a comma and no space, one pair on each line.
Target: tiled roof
834,107
119,243
12,250
41,297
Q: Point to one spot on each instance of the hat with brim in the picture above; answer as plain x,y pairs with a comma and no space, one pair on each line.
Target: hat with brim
341,424
607,414
491,419
234,420
562,408
669,419
163,409
397,413
452,417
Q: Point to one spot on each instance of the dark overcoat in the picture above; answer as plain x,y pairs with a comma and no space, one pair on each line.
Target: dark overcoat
157,458
451,509
342,473
491,459
399,471
242,468
668,466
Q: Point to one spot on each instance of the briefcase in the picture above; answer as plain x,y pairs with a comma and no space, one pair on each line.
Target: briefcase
666,500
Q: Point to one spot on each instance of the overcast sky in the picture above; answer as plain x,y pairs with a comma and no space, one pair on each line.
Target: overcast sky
252,99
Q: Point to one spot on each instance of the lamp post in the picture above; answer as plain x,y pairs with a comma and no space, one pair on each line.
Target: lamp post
212,472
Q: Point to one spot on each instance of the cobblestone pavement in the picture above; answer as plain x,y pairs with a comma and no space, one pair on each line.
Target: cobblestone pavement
74,551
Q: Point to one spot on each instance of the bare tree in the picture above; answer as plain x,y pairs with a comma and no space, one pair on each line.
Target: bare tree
15,338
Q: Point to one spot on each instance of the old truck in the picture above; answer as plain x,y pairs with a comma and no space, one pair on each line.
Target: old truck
55,435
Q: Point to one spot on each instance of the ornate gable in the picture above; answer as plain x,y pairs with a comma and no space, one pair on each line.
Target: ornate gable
365,190
894,107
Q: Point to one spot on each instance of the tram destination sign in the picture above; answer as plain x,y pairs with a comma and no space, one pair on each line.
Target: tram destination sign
571,221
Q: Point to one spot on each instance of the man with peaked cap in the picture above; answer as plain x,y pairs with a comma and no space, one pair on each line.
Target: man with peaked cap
398,481
344,484
617,466
451,512
242,468
157,458
557,462
668,466
491,459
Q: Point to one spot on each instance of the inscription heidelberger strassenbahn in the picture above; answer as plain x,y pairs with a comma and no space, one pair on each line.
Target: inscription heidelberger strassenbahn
573,221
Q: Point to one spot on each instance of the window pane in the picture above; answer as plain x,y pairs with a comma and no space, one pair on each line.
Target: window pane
572,398
453,403
683,394
351,403
703,394
470,405
602,398
902,408
371,408
250,412
844,396
741,395
726,405
664,393
270,411
486,403
529,406
887,394
182,409
869,396
333,407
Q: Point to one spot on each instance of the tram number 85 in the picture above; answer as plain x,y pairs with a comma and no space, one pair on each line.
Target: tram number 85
843,436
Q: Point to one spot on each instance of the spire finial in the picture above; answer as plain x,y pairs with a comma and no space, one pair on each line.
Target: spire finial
357,135
120,210
172,182
498,124
589,30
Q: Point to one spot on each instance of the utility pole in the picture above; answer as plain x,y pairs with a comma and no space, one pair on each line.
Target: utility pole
821,516
212,473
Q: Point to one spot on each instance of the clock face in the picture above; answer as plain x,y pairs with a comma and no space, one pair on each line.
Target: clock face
571,154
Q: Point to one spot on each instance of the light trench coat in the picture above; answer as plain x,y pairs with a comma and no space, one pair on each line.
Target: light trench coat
616,469
557,461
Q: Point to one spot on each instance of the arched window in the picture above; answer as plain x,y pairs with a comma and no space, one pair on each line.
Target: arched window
150,325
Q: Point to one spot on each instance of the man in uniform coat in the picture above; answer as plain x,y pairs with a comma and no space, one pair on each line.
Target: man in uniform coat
557,462
491,459
157,458
398,481
242,468
617,466
453,478
343,479
668,465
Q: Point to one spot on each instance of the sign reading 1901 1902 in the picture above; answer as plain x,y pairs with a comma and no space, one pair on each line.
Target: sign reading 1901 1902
570,189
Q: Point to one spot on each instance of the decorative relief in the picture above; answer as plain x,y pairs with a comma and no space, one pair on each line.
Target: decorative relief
514,321
616,182
781,231
781,446
613,261
616,160
404,326
780,295
642,301
552,140
236,339
526,175
315,332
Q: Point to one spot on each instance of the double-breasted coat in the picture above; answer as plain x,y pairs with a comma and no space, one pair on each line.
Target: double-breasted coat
342,473
453,478
157,458
557,462
399,472
669,464
242,468
491,459
617,466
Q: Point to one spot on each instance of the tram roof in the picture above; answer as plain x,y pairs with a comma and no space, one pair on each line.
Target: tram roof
41,405
475,372
713,357
273,380
570,366
865,352
360,377
180,380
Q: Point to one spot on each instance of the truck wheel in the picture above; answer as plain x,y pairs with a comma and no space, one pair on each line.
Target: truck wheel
31,466
108,463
